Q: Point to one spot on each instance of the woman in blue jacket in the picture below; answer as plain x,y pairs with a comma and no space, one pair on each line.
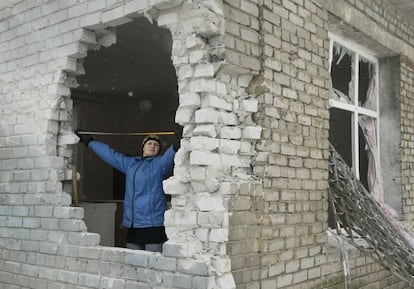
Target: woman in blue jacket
144,201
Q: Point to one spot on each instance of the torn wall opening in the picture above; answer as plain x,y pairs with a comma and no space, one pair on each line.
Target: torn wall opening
130,85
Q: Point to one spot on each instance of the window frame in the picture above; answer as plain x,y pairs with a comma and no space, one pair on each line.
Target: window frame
354,108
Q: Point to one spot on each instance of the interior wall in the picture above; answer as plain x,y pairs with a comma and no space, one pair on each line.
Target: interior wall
118,116
104,115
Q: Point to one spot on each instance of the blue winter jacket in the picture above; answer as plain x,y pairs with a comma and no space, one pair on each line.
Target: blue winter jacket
144,201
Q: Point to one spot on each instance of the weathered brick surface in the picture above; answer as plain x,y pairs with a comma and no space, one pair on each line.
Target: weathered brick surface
407,110
249,207
290,208
44,242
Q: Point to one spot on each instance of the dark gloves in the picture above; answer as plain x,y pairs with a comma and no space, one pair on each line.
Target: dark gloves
83,138
177,138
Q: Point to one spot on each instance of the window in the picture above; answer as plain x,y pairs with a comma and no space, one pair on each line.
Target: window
354,109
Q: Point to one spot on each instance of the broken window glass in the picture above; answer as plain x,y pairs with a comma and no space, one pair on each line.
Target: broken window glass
366,81
368,126
342,74
354,91
353,112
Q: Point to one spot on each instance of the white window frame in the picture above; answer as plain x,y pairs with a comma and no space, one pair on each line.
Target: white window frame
354,108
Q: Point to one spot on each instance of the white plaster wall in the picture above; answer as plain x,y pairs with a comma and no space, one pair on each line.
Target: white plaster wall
8,3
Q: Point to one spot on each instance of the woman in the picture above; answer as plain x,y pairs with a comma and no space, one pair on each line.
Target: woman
144,201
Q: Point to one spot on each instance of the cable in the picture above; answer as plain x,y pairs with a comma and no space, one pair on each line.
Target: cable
126,133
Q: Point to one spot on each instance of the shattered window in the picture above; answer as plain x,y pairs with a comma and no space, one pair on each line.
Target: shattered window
354,109
365,74
342,75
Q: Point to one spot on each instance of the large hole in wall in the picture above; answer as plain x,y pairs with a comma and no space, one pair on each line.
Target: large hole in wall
129,87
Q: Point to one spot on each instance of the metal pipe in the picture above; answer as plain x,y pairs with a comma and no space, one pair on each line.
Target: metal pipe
126,133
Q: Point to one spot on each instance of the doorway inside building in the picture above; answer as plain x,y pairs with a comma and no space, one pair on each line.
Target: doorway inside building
130,86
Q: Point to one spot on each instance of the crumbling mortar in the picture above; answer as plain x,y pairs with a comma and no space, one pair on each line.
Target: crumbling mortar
257,85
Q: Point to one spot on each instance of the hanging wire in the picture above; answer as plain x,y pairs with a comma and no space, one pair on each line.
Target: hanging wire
126,133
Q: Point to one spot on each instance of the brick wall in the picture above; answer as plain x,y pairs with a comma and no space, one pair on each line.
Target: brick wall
386,16
249,206
407,154
290,207
278,239
44,242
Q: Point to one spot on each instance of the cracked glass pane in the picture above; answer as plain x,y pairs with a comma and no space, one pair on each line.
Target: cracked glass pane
368,151
366,78
342,75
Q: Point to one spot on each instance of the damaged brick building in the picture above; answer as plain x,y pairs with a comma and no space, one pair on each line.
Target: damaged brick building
261,87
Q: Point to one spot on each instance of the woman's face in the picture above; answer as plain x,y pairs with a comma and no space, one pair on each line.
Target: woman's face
151,148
